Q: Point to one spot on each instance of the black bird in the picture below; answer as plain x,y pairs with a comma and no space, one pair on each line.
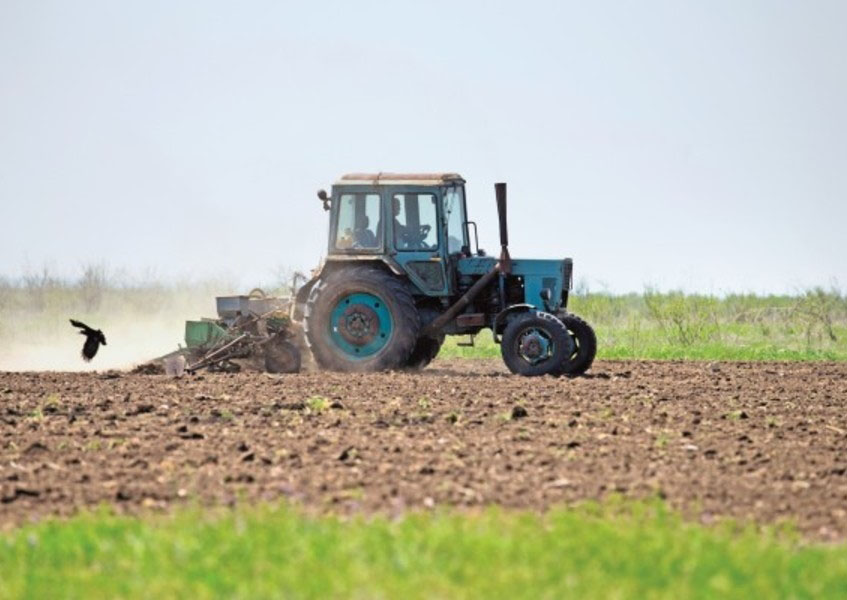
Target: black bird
93,339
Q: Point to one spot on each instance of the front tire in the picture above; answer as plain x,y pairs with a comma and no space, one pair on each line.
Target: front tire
361,319
585,346
535,344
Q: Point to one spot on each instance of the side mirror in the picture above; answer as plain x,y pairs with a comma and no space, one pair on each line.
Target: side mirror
324,197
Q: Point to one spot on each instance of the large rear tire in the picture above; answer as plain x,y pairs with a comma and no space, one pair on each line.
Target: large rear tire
585,346
426,348
361,319
535,344
425,351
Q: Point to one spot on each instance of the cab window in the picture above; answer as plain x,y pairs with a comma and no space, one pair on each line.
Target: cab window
358,222
415,221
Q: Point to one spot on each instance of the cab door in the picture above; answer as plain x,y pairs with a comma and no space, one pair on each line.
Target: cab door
416,238
455,231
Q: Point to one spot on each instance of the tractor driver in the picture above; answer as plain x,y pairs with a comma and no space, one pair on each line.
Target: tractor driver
409,237
363,236
400,230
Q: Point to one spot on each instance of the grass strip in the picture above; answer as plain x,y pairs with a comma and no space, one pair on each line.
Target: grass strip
624,550
660,349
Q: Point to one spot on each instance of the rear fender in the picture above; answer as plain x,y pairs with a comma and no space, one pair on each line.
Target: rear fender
302,296
333,263
336,263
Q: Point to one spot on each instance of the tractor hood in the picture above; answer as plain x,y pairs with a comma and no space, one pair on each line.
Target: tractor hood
538,275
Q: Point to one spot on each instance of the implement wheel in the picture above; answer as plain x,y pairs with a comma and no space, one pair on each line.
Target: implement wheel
281,357
585,346
361,319
535,344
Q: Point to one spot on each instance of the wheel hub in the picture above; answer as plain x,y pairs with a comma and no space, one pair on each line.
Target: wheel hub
534,347
358,324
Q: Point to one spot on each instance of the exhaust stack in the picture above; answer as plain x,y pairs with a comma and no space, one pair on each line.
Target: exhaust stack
505,259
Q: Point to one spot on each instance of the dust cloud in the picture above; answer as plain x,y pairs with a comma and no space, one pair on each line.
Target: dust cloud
46,341
127,344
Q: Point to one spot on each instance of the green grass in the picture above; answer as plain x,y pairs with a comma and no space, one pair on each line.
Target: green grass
654,346
809,326
615,550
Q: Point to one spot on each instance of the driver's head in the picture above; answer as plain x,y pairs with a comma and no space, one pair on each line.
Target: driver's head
396,206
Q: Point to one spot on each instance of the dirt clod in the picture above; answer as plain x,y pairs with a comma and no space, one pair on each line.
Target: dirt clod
149,369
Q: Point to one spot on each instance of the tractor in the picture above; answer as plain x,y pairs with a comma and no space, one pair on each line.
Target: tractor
401,274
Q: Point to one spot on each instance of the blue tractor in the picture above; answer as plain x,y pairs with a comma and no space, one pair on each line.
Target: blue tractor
401,274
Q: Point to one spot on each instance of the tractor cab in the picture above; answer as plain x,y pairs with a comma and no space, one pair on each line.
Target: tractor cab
414,223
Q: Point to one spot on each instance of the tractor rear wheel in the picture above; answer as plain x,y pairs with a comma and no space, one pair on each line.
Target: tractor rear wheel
361,319
426,349
585,346
535,344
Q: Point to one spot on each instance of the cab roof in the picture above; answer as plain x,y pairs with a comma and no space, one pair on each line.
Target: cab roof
399,179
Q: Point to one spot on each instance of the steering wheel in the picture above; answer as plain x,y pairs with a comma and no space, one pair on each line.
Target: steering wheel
415,240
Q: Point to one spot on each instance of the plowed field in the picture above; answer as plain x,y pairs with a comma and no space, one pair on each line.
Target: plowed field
759,441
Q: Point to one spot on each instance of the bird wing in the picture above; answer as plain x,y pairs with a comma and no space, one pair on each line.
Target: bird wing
81,325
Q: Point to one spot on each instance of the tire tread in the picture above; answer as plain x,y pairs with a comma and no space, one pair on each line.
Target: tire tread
406,321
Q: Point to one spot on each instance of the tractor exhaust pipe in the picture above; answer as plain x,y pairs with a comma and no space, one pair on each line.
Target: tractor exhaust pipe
505,259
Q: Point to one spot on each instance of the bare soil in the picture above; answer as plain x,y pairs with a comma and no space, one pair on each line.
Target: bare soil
765,442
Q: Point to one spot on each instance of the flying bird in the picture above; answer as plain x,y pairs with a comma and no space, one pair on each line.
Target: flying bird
93,339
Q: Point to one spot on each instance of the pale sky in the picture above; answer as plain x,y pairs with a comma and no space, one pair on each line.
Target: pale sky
700,145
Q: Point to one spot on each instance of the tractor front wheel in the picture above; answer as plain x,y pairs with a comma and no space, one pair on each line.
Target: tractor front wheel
361,319
535,344
584,349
